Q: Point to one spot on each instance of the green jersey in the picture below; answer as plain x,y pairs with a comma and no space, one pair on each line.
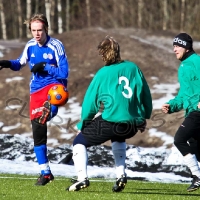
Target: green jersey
188,96
123,91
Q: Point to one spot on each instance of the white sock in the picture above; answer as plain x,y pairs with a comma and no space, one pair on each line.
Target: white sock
80,161
119,152
45,169
191,162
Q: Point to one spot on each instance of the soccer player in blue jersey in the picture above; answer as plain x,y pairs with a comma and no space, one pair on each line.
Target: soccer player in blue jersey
49,66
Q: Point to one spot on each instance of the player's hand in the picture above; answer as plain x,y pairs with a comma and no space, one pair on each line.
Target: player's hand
39,67
141,127
5,64
78,132
198,105
165,108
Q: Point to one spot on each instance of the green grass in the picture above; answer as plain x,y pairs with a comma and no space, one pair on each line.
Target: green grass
21,187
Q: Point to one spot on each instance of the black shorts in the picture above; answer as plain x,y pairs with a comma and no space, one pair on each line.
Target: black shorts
190,128
99,131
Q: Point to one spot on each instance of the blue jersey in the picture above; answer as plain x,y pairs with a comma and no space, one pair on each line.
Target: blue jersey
53,53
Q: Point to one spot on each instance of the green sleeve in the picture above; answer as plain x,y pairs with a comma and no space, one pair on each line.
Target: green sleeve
176,104
145,96
90,105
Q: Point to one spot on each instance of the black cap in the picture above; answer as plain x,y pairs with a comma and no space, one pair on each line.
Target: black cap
183,40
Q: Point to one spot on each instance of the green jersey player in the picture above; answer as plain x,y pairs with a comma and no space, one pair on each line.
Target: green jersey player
120,89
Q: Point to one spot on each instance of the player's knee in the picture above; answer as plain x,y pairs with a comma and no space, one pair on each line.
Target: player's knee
79,139
118,145
179,144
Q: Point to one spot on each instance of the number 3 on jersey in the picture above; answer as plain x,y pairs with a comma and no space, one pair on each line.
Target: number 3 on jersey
126,87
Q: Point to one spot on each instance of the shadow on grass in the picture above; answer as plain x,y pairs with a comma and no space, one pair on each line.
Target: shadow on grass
162,192
144,193
165,192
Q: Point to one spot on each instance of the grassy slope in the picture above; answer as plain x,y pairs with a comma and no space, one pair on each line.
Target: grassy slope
21,187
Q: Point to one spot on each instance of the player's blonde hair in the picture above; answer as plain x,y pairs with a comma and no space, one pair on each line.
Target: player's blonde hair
109,50
38,17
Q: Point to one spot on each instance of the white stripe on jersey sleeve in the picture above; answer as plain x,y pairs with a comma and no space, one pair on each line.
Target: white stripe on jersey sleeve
57,45
24,56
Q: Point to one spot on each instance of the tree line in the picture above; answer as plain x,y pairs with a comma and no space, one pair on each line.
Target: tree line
67,15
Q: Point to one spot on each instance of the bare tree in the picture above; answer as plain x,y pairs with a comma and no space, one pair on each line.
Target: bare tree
165,15
88,13
52,17
140,8
3,21
115,10
48,9
182,14
122,11
100,14
19,9
36,6
67,15
60,22
28,15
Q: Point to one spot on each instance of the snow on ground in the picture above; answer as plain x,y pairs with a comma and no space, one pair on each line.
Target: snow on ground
31,168
174,158
23,167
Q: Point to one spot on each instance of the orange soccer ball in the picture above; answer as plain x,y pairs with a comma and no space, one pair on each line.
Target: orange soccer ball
58,95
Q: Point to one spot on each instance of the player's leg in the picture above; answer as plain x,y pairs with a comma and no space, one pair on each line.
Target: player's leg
195,146
198,150
122,131
189,128
40,149
119,152
80,159
97,132
40,134
94,133
49,111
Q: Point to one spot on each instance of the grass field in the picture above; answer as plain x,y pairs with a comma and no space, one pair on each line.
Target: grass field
21,187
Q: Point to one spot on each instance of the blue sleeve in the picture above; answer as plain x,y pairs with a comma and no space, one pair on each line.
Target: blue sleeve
60,72
15,65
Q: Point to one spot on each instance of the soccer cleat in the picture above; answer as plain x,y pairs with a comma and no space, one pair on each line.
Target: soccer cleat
78,185
195,184
120,184
45,112
44,179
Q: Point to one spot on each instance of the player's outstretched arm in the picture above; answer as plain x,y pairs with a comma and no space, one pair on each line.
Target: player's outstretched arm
5,64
